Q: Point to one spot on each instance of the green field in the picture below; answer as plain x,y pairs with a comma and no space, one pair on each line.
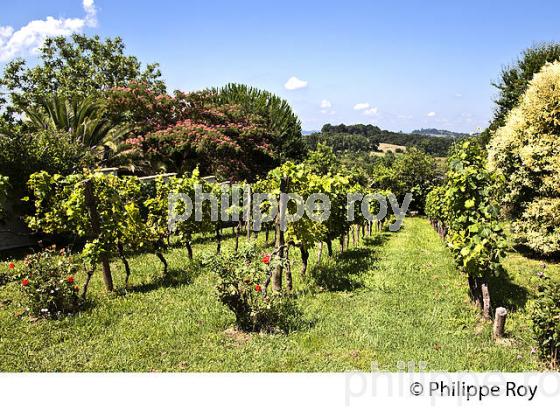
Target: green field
395,298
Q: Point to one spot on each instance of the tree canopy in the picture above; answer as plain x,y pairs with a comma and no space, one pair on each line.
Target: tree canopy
366,138
514,81
75,65
526,153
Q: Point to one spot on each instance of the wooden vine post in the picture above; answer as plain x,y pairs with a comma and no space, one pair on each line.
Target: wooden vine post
486,305
500,322
248,211
279,239
91,204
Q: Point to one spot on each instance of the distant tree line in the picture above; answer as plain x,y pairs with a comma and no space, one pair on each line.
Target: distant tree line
366,138
434,132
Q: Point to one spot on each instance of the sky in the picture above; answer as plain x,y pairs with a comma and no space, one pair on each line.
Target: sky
399,65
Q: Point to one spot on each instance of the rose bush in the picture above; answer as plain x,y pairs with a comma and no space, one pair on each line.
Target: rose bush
49,284
241,287
9,272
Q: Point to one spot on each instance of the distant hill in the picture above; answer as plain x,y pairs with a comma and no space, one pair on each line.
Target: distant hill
367,138
433,132
308,132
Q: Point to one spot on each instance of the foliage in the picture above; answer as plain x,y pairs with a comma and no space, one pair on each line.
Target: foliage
145,109
158,208
323,160
240,287
82,118
412,172
515,79
9,272
235,132
76,65
340,142
434,132
49,284
475,234
188,131
465,213
61,207
230,148
545,314
526,153
280,122
23,153
360,137
315,175
302,181
436,207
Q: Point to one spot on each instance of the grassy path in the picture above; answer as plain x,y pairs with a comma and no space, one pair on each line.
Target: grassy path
396,299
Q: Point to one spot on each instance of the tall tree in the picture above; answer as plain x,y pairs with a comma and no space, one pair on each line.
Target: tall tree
75,65
279,119
514,81
525,152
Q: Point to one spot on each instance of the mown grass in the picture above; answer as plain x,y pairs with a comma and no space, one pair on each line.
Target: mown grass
395,298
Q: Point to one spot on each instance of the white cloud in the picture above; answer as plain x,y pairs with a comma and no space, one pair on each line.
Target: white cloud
29,38
371,111
295,83
361,106
431,114
328,112
91,13
458,95
326,104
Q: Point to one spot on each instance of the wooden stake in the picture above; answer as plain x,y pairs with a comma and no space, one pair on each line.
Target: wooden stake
248,212
91,205
279,240
500,322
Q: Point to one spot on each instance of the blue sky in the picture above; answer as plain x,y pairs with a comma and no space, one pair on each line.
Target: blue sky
400,65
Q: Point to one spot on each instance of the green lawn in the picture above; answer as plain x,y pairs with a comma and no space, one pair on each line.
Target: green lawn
396,298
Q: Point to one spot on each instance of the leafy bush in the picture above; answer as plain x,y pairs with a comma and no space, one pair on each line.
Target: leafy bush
526,152
49,285
61,206
9,272
414,171
539,226
466,213
435,204
545,313
241,288
515,79
22,153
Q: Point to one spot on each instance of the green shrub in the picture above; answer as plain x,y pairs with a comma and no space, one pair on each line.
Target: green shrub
525,152
22,153
545,314
9,272
48,284
468,211
539,226
241,288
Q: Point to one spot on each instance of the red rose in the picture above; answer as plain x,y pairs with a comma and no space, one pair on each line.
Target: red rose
25,282
266,259
12,265
258,288
70,279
